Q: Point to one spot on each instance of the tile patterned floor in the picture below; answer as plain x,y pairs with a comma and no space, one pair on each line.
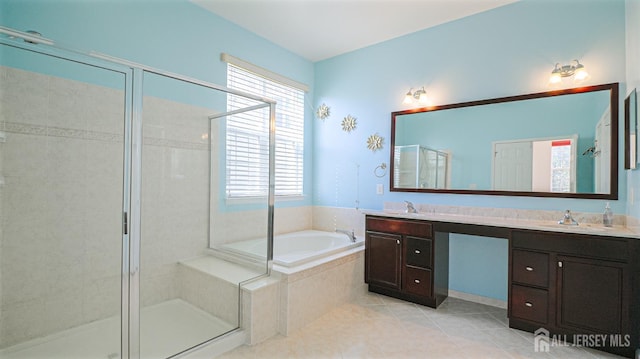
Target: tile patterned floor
377,326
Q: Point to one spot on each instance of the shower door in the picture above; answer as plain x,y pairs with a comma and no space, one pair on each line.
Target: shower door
181,304
63,194
188,295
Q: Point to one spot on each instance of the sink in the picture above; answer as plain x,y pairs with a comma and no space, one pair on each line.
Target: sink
585,227
394,211
401,211
595,227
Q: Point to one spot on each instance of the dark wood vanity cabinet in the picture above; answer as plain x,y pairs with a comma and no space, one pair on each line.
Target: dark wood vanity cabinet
383,259
575,285
404,259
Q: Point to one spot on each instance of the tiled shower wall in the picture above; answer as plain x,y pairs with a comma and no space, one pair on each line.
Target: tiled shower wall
175,193
61,203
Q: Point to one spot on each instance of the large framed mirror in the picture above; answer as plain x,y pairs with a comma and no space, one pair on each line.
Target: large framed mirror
560,143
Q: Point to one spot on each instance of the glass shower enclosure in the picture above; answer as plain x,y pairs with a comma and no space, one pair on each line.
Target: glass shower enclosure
418,166
111,178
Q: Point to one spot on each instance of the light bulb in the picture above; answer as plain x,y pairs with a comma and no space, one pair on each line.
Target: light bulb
408,98
423,98
555,78
581,73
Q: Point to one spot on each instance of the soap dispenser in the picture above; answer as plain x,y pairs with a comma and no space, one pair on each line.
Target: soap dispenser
607,216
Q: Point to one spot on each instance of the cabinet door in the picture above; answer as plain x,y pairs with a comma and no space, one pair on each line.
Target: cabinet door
383,259
590,295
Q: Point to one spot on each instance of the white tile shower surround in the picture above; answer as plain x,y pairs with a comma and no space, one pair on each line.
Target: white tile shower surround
60,267
376,326
61,204
166,329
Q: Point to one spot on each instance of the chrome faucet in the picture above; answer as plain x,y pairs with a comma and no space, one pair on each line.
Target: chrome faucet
568,219
410,207
351,234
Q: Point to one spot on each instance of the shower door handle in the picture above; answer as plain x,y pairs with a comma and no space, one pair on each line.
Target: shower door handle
125,223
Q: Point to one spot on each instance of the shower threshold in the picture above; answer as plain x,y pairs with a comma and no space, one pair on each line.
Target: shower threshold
166,329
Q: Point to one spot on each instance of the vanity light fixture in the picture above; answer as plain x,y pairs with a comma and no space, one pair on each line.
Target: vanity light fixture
419,95
575,69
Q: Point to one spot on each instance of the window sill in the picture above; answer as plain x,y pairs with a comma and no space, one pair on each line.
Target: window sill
262,199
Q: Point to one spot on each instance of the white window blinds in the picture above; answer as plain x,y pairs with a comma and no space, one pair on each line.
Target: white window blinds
248,137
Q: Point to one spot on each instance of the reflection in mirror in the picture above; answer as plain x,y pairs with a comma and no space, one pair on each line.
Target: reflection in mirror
420,167
552,144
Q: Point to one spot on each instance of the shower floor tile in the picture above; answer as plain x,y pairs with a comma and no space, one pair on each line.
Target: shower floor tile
166,329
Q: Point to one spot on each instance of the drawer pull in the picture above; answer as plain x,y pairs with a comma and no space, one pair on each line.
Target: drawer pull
417,251
417,281
528,304
529,269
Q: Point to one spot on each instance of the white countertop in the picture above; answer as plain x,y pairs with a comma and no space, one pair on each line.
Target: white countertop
550,226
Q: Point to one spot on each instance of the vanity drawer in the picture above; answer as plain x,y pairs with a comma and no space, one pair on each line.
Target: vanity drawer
613,248
530,268
529,303
409,228
417,281
418,252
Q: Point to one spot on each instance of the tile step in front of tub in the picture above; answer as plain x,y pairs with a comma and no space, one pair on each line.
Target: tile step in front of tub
230,272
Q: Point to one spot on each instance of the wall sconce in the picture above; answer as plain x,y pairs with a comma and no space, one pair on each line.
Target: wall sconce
419,95
576,70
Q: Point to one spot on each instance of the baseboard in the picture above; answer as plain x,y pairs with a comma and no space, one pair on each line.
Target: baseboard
478,299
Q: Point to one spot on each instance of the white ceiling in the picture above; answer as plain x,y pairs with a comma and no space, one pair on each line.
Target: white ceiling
320,29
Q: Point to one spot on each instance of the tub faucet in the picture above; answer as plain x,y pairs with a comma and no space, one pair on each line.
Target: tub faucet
568,219
410,207
351,234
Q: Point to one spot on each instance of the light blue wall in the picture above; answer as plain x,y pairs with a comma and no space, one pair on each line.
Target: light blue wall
171,35
506,51
469,273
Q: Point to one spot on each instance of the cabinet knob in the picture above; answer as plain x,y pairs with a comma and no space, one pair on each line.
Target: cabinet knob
559,264
417,251
529,269
528,304
417,281
397,241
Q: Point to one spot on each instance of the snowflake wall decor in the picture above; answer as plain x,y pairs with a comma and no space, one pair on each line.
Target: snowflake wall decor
349,123
374,142
323,112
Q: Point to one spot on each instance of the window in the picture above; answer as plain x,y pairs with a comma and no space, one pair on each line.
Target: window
561,166
247,165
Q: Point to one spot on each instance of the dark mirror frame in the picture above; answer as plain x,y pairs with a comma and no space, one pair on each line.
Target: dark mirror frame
630,128
613,195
